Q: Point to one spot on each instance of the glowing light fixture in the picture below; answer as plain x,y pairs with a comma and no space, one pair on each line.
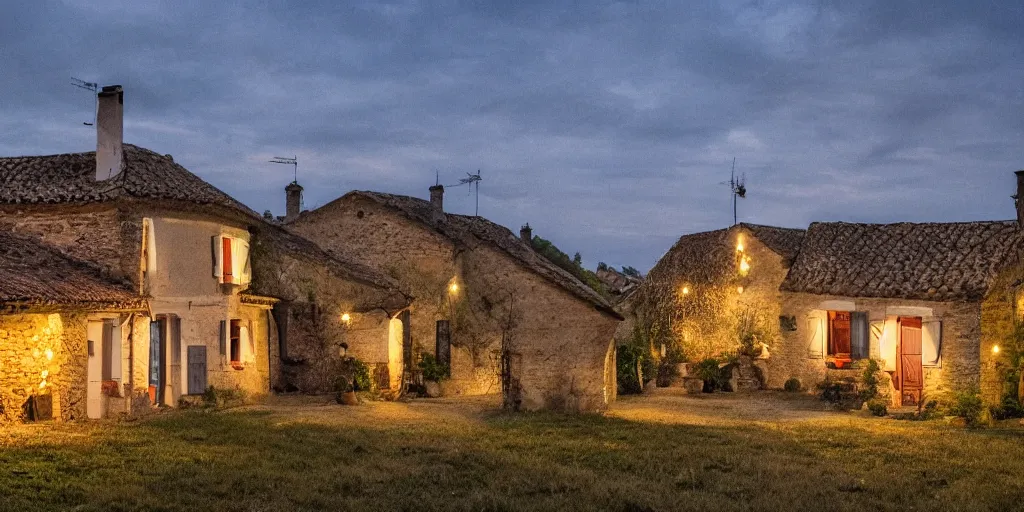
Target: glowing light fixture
686,290
744,265
739,289
453,288
345,317
49,355
995,349
739,246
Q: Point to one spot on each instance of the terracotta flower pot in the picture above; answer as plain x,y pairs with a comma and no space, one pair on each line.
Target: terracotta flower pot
348,398
432,388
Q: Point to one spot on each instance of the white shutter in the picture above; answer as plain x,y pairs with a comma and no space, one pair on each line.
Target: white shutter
247,354
931,342
218,256
877,335
244,265
150,242
887,344
816,335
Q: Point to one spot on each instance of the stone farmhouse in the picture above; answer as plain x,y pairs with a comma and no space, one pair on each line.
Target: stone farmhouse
714,288
204,265
502,316
931,302
52,305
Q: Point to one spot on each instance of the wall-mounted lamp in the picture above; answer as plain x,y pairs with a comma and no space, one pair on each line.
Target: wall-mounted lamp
739,289
686,290
739,246
453,288
346,318
344,349
744,265
995,349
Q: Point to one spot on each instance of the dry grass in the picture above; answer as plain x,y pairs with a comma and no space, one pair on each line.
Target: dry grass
665,452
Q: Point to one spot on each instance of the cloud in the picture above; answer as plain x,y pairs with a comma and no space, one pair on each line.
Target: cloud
609,126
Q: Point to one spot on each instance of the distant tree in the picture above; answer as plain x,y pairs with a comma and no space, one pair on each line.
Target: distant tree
602,266
632,272
573,266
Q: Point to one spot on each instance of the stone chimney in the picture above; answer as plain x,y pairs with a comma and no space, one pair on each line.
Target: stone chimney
437,198
526,234
109,131
293,201
1019,198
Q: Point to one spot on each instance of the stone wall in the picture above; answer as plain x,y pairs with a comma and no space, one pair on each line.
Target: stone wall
562,346
562,343
1000,315
43,354
708,317
420,259
959,365
94,233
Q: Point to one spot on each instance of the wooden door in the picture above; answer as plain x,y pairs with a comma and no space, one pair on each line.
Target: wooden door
910,370
196,370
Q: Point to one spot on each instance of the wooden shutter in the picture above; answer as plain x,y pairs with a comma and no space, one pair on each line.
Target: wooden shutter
443,342
839,333
150,242
931,342
242,272
107,372
196,370
228,260
223,337
175,340
860,339
815,335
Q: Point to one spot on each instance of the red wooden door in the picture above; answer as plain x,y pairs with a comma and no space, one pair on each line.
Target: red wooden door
911,372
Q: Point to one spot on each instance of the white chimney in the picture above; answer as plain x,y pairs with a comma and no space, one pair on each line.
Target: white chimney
109,131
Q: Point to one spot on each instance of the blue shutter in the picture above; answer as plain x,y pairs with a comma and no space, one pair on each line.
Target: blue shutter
860,330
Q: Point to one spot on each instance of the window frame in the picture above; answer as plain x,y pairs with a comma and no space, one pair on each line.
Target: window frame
235,344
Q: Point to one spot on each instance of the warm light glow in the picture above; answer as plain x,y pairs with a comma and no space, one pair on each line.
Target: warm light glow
744,265
686,290
49,355
739,289
42,384
454,288
345,317
739,246
995,349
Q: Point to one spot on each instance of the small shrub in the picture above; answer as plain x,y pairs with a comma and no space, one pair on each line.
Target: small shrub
361,376
710,372
831,392
968,405
632,363
869,381
223,397
792,385
433,369
878,408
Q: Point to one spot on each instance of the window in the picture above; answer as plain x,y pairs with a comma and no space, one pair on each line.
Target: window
236,343
231,263
848,335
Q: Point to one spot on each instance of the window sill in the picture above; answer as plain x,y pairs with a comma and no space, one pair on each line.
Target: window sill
238,366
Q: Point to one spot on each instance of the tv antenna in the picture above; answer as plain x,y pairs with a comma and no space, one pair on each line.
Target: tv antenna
472,179
738,186
89,86
293,161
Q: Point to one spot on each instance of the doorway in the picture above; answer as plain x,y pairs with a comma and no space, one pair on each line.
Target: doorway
909,369
94,400
157,361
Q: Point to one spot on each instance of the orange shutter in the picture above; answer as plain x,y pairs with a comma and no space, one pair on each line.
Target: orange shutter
227,261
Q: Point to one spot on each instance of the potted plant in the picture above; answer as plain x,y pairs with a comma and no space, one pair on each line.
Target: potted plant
345,391
353,375
433,373
708,371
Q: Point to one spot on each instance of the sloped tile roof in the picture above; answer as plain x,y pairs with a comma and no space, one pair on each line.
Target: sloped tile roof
69,178
933,261
472,231
35,275
708,257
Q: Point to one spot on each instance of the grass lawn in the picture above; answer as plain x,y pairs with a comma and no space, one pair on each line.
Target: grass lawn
766,452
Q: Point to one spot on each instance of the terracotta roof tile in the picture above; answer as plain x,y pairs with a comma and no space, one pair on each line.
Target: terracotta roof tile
933,261
33,274
69,178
